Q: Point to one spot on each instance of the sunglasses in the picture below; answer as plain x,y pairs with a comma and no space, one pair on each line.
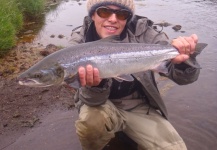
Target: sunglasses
121,14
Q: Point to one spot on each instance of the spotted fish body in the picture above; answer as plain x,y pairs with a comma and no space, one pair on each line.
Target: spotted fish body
113,59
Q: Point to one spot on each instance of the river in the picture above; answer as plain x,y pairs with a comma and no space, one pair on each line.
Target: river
192,108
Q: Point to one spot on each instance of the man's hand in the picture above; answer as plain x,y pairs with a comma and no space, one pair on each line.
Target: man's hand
89,76
185,46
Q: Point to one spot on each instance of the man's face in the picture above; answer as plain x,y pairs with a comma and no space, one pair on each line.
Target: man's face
108,26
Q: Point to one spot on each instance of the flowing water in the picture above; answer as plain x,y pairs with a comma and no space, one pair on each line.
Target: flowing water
192,108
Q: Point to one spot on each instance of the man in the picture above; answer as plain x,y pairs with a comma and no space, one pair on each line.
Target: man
136,108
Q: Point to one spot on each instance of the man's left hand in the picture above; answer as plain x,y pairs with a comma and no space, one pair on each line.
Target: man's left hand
185,46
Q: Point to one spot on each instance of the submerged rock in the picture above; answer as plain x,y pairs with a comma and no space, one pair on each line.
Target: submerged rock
163,24
52,36
50,48
60,36
177,27
28,32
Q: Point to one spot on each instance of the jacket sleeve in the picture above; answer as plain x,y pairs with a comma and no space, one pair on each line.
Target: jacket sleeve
94,96
181,73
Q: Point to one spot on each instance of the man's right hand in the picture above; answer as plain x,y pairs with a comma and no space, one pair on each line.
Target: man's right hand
89,76
185,46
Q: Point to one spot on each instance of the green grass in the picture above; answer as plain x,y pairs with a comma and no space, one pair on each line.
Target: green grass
12,13
32,8
11,21
7,34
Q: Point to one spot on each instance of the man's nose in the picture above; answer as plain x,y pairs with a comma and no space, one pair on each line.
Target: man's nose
113,18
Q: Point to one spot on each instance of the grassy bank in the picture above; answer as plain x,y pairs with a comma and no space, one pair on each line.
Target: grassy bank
10,23
12,14
32,8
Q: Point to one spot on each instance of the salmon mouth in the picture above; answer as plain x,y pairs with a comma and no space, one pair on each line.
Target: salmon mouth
31,83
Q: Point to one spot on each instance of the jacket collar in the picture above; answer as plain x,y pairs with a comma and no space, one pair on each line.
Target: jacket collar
139,24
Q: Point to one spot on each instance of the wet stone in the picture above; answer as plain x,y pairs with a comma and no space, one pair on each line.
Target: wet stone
23,67
163,24
5,125
44,53
60,36
52,36
16,115
177,27
9,71
30,123
28,32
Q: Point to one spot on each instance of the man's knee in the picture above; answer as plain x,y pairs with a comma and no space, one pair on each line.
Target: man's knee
92,129
92,123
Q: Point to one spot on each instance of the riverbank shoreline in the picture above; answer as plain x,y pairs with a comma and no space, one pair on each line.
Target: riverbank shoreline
21,108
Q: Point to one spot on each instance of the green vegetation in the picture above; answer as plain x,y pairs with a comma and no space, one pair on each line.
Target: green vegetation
12,14
32,8
11,21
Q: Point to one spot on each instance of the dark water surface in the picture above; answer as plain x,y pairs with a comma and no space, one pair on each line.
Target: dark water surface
192,108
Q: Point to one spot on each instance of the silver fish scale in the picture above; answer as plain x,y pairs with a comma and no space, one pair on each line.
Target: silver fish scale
103,48
113,58
128,63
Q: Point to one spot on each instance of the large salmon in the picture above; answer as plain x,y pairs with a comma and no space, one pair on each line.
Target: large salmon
113,59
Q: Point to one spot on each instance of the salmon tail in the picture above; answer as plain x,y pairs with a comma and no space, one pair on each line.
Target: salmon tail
192,60
199,48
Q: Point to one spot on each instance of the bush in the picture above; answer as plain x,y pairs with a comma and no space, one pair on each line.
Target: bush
11,21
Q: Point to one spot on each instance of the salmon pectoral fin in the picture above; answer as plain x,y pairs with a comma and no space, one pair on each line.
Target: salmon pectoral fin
73,81
124,78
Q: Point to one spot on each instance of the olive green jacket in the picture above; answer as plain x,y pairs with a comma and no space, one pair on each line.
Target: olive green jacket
139,30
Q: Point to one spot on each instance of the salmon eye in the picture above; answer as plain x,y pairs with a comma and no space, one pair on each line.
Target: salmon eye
38,75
